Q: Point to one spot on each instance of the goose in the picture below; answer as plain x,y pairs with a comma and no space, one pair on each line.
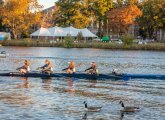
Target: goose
92,109
129,108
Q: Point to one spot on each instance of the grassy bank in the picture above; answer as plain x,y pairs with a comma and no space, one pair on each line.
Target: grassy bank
99,45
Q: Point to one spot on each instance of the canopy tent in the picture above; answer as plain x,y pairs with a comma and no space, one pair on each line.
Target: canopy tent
62,32
41,32
87,33
56,31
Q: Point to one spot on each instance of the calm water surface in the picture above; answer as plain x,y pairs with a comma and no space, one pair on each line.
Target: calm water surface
62,99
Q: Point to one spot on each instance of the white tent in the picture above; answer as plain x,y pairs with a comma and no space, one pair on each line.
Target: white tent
87,33
56,31
62,32
74,32
41,32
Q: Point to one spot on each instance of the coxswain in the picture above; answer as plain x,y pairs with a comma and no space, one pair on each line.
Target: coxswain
25,68
93,69
47,68
71,68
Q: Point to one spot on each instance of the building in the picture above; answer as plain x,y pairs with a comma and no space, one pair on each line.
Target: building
47,15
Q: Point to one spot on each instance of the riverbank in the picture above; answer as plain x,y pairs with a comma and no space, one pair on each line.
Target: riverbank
94,44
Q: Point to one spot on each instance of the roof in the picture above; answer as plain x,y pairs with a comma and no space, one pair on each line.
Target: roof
50,9
61,32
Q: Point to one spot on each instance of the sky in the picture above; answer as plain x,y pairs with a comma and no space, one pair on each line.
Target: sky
47,3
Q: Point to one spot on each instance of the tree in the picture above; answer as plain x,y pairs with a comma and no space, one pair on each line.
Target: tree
153,17
81,13
1,5
68,41
99,8
120,18
20,15
71,12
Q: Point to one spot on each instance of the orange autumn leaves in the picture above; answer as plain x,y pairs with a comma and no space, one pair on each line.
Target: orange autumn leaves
20,15
121,18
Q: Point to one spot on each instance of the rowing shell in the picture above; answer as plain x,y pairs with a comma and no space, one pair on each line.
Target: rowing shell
87,76
64,75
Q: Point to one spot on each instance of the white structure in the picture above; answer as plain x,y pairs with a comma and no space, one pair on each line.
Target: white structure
41,32
62,32
5,36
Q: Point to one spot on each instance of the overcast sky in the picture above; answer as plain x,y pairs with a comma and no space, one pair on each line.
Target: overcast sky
47,3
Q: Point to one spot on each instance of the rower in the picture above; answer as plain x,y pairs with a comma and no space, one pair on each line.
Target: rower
71,69
25,68
47,68
93,69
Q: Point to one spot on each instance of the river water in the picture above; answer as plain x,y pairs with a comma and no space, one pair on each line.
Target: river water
62,98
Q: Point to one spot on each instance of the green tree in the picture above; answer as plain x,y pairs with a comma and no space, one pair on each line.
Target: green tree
71,12
153,17
20,15
68,41
99,8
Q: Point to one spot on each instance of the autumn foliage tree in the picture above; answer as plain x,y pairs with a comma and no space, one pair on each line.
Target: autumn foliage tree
1,5
120,18
20,15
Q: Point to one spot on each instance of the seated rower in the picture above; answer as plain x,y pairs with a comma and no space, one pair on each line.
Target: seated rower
93,69
47,68
71,69
25,68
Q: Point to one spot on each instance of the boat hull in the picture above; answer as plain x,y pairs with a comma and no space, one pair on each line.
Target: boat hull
87,76
63,75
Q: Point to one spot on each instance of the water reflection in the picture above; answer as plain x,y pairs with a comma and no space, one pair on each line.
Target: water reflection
16,99
24,84
47,86
121,115
85,116
70,84
34,93
93,83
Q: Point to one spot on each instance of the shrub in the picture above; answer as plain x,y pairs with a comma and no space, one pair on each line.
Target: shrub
79,36
68,41
127,39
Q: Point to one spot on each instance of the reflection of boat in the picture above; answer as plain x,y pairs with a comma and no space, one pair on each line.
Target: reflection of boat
87,76
3,54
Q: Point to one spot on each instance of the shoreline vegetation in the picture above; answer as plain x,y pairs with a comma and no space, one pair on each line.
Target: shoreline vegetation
91,44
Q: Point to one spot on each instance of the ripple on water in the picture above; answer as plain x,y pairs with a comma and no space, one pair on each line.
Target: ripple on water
62,99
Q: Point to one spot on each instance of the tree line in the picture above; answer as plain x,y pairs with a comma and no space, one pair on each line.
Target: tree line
19,16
